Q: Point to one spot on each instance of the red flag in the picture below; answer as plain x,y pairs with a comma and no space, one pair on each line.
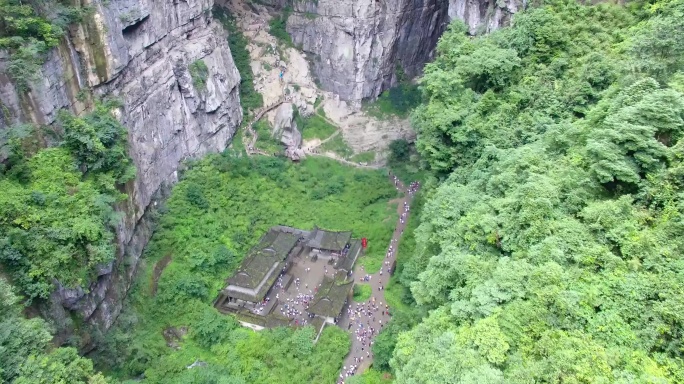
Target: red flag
364,242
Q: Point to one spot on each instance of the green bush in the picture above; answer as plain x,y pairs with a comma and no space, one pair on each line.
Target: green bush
249,98
399,150
199,73
57,203
362,292
213,328
277,27
314,127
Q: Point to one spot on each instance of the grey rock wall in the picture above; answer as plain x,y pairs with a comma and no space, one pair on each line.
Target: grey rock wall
483,16
139,52
357,46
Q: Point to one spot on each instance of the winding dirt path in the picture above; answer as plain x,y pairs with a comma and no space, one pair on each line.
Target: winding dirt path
378,319
249,147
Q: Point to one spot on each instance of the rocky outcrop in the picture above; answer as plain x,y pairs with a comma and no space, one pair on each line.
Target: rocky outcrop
285,130
361,47
483,16
139,52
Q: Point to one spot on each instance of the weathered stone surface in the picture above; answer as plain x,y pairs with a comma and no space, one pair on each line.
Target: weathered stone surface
483,16
137,51
285,130
358,47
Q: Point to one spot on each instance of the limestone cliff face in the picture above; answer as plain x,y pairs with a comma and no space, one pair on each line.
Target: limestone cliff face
139,52
359,46
483,16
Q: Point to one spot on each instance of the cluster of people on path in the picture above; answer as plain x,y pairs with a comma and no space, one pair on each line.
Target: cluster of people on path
396,182
347,371
404,214
367,318
390,251
290,311
413,187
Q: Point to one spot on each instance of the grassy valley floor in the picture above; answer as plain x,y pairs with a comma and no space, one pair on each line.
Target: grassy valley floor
219,209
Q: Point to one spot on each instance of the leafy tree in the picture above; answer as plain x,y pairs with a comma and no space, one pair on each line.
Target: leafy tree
63,365
213,328
399,150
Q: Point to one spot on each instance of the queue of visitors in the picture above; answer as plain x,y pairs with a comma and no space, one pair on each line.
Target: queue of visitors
366,319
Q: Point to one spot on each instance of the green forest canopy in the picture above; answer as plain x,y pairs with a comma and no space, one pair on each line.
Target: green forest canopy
56,207
554,243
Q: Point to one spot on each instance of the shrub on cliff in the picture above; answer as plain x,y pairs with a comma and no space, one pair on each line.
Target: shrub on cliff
249,98
57,218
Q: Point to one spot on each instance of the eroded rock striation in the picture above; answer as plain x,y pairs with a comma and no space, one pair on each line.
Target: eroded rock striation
361,47
285,130
139,52
482,16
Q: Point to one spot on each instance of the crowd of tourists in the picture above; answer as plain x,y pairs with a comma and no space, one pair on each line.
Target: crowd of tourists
413,188
366,321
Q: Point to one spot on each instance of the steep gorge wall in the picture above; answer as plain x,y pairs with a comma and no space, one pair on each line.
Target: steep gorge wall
358,45
482,16
139,52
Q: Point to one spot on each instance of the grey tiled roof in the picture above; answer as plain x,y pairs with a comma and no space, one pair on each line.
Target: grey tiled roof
328,240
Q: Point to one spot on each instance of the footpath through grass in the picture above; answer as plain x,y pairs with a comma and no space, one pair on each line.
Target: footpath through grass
315,127
220,208
338,146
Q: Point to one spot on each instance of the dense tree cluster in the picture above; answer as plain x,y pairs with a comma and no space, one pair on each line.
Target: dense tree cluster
551,250
56,208
29,29
25,349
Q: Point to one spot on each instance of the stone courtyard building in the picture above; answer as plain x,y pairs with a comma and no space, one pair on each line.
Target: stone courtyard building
292,277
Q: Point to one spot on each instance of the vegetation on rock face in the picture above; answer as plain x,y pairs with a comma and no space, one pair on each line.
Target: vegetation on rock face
265,140
26,354
550,251
56,210
399,101
28,34
199,73
314,127
221,207
249,98
277,27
